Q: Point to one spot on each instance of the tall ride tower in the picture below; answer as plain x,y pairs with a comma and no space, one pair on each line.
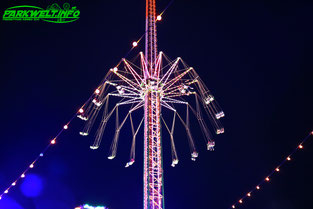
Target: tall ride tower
153,168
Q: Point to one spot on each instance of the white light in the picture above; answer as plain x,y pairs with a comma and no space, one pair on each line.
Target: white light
97,91
81,110
41,155
135,44
52,141
6,191
31,165
65,127
159,17
23,175
14,183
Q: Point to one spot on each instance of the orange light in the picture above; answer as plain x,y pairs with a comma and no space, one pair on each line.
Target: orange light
277,169
53,141
257,187
240,201
300,146
159,17
65,127
81,110
249,194
97,91
288,158
135,44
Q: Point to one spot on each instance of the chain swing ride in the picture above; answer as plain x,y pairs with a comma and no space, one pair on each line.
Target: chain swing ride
154,83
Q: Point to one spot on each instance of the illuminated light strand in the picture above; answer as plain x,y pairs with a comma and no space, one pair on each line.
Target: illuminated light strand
80,111
276,170
52,142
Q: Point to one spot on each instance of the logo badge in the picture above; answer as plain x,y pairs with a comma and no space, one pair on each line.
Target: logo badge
54,13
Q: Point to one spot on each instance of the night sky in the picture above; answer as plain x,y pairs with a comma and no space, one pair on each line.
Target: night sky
255,56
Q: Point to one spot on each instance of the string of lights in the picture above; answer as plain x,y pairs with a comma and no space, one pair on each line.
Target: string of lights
277,169
66,126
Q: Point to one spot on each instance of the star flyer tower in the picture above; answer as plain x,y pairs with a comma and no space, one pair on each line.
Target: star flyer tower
153,168
149,83
154,81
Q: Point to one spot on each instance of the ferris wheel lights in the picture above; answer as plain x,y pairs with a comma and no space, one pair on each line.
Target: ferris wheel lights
159,17
6,191
23,175
300,146
240,201
31,166
257,187
14,183
267,179
288,158
115,69
81,110
277,169
249,194
65,127
135,44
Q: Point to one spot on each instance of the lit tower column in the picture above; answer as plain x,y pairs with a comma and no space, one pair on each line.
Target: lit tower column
153,169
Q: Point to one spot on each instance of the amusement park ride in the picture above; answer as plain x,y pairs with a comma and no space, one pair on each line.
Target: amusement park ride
155,82
152,83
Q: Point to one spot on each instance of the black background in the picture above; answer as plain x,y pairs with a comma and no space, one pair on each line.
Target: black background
255,56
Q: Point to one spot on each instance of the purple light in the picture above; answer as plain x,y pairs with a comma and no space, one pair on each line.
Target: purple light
32,186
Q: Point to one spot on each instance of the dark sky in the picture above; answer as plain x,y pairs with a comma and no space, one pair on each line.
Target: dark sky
255,56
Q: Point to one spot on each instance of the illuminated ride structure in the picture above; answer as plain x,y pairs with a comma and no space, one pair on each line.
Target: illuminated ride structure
153,83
